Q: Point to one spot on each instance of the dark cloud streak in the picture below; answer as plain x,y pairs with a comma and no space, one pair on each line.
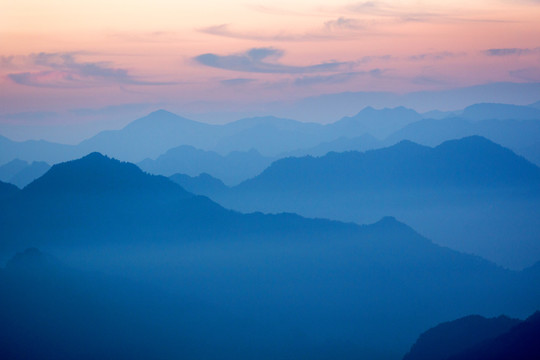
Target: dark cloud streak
263,60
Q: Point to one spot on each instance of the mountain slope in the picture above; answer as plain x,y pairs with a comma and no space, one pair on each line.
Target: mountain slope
514,134
451,338
378,123
473,161
7,190
323,284
520,343
36,150
22,173
466,194
149,136
478,338
232,168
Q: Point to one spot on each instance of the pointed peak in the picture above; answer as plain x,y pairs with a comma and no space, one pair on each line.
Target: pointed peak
161,112
95,156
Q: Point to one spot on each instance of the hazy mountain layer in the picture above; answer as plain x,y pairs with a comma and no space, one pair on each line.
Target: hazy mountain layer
278,286
232,168
468,194
22,173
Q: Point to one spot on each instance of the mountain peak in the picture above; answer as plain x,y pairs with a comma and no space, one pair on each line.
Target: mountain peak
98,173
161,112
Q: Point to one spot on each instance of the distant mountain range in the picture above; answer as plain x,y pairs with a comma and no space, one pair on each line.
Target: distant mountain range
516,127
466,194
322,283
232,168
478,338
22,173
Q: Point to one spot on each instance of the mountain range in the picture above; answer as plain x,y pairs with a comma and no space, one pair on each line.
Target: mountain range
151,136
466,194
22,173
282,285
232,168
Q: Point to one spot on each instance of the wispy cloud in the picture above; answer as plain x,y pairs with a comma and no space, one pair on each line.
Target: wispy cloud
64,70
29,115
335,78
512,51
236,82
264,60
384,9
340,28
400,13
531,74
441,55
343,23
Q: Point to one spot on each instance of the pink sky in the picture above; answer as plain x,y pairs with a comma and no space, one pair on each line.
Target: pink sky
58,55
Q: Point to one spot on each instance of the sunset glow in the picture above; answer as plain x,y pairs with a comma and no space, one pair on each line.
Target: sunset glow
58,54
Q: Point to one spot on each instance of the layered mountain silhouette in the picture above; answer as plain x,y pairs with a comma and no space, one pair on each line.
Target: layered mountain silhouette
475,337
512,126
36,150
378,123
517,135
465,193
472,161
311,286
201,184
232,168
22,173
342,144
52,311
488,111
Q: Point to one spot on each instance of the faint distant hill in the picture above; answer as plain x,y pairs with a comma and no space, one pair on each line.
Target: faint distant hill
35,150
535,105
150,136
478,338
232,168
22,173
320,276
463,193
488,111
155,134
378,123
342,144
320,108
450,338
202,184
160,131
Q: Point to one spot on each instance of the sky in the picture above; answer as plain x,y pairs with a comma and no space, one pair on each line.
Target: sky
86,57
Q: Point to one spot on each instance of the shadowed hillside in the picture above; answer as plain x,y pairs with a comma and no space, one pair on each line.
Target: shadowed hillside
324,285
466,194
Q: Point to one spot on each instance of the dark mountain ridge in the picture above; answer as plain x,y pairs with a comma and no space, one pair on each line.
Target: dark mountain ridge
464,193
472,161
311,280
478,338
